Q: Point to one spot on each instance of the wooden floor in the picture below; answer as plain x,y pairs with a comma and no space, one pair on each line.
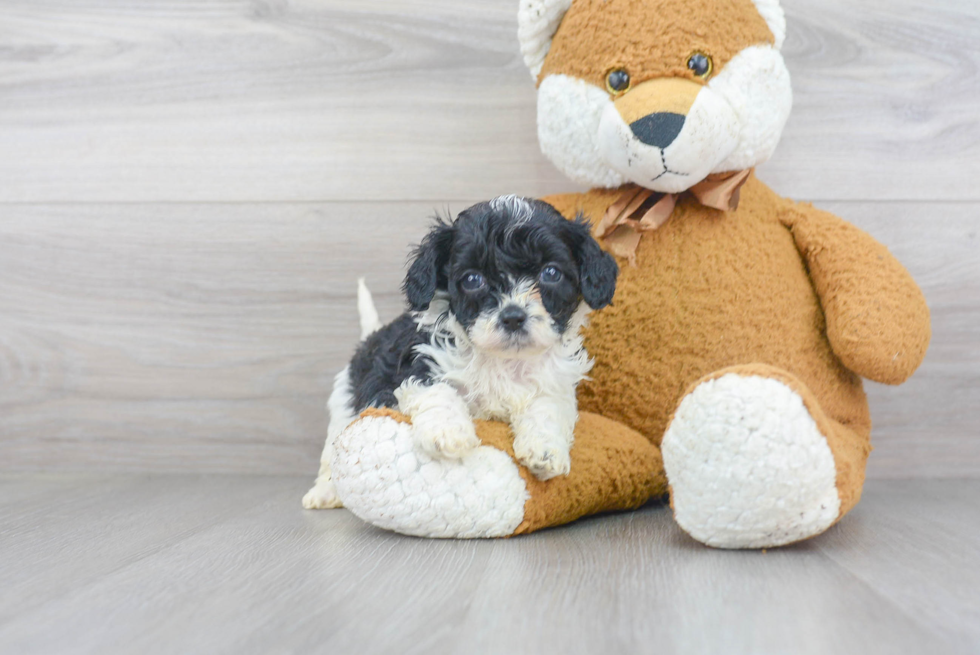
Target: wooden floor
231,564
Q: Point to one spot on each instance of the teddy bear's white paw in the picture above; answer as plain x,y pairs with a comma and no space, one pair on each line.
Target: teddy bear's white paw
323,495
747,465
385,478
544,459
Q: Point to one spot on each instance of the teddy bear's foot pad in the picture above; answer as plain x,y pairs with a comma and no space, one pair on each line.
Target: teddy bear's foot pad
386,480
748,466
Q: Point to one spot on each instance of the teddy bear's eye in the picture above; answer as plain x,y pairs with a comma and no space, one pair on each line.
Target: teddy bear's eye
617,81
700,64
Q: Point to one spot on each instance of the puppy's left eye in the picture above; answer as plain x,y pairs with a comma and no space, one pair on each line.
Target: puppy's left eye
472,282
550,275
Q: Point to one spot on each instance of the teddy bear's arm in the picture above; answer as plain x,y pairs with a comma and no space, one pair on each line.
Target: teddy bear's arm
877,318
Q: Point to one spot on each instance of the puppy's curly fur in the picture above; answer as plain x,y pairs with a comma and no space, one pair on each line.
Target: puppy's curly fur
498,298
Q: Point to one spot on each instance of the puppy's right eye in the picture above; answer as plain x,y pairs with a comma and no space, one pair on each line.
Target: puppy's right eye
550,275
472,282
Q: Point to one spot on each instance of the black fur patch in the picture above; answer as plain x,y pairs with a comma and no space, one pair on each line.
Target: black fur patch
505,243
506,249
384,360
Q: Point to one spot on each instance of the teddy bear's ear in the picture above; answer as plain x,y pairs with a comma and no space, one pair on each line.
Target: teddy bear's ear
537,22
772,12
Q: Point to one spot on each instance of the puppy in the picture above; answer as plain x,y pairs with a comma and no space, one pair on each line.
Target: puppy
498,299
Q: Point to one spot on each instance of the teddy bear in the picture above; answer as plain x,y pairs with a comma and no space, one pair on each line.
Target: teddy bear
728,371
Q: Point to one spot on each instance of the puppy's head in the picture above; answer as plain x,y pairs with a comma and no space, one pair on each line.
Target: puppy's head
513,273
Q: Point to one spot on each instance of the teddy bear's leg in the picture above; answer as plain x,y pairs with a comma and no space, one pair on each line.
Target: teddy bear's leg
753,461
386,479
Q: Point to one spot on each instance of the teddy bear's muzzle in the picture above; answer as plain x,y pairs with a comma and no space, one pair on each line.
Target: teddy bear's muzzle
667,134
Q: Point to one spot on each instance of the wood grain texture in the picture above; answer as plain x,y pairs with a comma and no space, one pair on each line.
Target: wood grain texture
184,337
135,564
189,337
267,100
930,527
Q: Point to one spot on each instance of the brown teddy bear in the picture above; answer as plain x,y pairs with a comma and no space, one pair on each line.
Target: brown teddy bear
729,367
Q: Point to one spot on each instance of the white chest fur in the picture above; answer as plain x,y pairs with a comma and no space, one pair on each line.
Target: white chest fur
533,392
496,387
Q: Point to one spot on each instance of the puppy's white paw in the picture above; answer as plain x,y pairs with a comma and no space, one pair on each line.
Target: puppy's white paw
545,459
440,419
451,438
323,495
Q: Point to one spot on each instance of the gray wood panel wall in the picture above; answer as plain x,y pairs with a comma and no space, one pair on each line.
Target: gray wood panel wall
189,190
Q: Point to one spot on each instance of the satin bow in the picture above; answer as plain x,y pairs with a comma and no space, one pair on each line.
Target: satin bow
639,210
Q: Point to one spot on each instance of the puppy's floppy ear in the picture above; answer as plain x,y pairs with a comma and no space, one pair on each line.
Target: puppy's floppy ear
597,268
426,273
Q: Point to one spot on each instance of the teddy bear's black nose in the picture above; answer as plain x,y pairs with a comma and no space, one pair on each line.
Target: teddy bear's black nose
658,130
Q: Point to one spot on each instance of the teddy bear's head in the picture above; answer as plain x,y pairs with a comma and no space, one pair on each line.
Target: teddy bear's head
660,93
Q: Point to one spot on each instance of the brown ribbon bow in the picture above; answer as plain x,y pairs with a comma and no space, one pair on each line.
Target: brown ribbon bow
639,210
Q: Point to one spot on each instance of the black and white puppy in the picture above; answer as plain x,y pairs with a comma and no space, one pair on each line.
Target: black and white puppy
498,298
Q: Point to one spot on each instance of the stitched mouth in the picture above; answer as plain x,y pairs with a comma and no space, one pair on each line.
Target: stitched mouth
663,160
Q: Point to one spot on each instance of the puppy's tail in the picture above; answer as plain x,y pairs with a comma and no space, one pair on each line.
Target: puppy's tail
370,323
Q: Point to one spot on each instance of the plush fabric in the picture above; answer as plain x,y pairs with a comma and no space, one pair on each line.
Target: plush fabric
569,114
601,448
728,120
538,20
877,319
651,38
738,336
774,288
487,494
718,453
711,290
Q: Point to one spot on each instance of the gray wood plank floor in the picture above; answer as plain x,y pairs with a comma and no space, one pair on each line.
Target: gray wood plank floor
230,564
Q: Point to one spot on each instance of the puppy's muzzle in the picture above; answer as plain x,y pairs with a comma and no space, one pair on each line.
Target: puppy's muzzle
513,318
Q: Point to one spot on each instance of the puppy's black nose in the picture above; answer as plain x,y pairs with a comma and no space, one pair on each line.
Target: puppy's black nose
513,318
658,130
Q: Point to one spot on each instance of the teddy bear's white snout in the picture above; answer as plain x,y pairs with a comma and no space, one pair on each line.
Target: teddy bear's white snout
666,151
